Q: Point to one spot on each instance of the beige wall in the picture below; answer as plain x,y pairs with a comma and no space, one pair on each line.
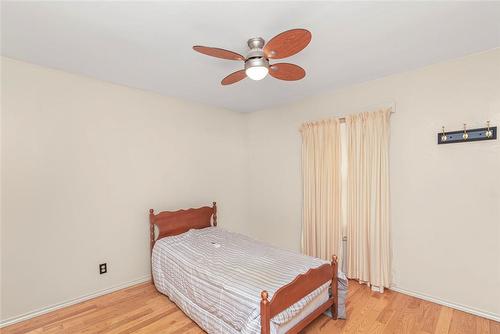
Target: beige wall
83,161
445,199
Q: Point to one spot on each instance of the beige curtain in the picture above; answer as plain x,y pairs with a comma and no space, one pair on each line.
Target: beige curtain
368,245
321,232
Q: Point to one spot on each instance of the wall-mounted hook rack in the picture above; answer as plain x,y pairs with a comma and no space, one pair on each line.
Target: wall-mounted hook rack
465,135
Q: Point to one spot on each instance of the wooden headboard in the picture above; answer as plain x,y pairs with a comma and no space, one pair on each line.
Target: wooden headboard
176,222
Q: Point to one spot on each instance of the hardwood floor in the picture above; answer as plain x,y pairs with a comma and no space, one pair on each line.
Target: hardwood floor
141,309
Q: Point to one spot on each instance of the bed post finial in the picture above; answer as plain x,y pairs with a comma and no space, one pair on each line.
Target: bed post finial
264,295
151,211
265,313
335,288
214,206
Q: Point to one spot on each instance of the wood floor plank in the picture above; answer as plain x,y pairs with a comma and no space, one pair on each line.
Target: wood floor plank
405,319
429,319
494,327
397,302
444,320
482,325
462,323
397,322
143,310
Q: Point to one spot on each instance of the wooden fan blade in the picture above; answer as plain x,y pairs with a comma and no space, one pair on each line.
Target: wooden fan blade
234,77
287,43
219,53
287,71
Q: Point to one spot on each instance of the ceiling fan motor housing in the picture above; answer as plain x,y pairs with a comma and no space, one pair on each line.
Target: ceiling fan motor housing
256,56
256,43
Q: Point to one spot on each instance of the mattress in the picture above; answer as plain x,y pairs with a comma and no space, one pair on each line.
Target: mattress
308,309
216,277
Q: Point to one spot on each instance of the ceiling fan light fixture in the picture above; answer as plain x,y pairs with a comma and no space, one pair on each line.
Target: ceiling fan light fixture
256,68
257,72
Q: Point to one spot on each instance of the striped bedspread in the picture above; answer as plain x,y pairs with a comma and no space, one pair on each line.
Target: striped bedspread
216,277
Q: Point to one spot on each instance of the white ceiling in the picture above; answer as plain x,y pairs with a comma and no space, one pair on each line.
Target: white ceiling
148,44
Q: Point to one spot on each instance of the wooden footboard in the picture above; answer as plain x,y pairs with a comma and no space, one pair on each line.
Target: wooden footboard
300,287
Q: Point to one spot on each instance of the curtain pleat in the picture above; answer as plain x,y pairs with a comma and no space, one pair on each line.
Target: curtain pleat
368,198
321,171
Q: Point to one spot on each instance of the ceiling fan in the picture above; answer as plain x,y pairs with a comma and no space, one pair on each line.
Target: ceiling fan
257,64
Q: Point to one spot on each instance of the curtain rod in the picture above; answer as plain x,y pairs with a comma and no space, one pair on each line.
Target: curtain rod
342,119
391,106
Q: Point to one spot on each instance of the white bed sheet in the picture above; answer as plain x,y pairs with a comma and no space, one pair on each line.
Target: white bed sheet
216,277
308,309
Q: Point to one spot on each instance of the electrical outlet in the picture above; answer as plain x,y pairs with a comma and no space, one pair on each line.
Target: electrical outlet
103,268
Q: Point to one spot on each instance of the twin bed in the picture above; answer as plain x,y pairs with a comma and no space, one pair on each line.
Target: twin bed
229,283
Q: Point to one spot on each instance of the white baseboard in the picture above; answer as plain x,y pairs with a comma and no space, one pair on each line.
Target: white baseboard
54,307
467,309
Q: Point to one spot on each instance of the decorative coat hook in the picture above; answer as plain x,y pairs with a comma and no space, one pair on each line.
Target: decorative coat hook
467,135
488,133
443,136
